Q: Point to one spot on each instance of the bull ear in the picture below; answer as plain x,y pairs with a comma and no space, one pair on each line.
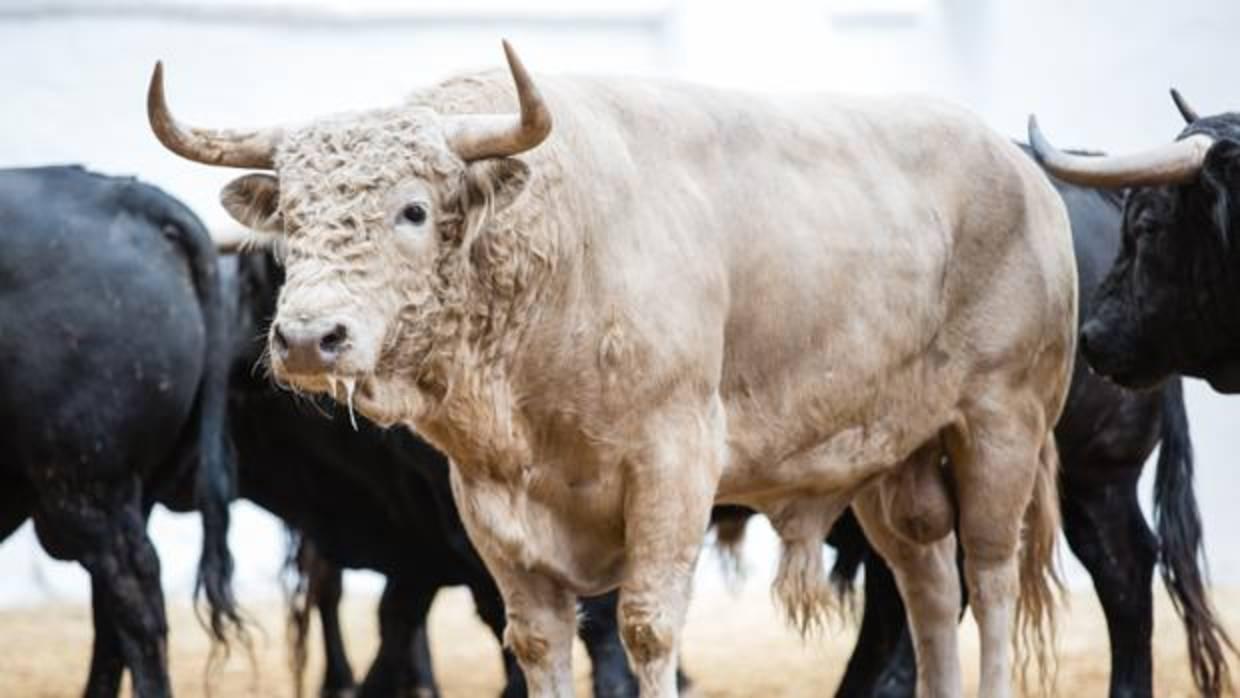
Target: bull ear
254,201
496,183
1221,176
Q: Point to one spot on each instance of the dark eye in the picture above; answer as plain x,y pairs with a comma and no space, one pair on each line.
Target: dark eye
414,213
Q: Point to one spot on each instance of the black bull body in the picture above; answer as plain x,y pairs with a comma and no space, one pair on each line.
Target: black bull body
367,498
1105,435
112,398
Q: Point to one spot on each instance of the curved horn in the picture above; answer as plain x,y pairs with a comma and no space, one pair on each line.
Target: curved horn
478,136
227,148
1189,114
1168,164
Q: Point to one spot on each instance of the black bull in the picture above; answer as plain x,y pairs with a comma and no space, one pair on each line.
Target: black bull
112,398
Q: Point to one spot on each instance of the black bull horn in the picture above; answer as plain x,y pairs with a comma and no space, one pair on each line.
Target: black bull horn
1173,163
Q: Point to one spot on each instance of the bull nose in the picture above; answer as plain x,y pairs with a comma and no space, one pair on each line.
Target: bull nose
309,347
1088,340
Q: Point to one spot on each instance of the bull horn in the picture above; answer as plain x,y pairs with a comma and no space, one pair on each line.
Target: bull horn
1168,164
230,241
227,148
1189,114
479,136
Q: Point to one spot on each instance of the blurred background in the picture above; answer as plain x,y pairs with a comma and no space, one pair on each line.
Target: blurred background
73,75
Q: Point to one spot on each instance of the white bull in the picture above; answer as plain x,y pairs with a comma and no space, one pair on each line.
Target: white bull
679,296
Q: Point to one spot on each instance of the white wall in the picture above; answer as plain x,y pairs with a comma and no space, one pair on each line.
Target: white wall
74,79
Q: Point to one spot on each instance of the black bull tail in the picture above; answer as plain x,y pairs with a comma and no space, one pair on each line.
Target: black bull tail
1180,556
301,564
215,477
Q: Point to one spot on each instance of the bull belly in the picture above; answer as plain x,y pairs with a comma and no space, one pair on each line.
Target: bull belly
803,453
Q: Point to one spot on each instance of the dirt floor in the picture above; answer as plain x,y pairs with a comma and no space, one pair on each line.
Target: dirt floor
735,646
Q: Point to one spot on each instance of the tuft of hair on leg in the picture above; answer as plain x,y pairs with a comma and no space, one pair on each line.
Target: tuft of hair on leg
802,587
730,524
1040,582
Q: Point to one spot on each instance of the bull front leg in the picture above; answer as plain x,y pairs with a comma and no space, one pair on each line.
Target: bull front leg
540,613
669,490
541,623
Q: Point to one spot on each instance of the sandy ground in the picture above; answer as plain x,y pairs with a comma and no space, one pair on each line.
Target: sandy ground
736,646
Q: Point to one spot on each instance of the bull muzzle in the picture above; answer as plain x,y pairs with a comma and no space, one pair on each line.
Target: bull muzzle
309,347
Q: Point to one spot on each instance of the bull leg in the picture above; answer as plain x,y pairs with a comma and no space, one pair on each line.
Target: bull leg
540,634
1004,469
424,682
328,588
926,576
882,662
106,532
491,610
541,618
1108,534
106,663
669,490
16,494
403,611
610,669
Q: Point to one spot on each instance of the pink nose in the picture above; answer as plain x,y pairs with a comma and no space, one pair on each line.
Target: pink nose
309,347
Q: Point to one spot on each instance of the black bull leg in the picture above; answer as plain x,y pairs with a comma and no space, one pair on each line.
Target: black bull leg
1108,534
104,528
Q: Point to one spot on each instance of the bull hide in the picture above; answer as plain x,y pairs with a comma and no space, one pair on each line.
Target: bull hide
614,302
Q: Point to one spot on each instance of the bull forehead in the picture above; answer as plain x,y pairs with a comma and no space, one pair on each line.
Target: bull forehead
337,172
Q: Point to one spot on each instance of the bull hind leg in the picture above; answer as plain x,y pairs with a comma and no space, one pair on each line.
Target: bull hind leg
105,531
106,663
925,573
1005,481
16,494
1108,534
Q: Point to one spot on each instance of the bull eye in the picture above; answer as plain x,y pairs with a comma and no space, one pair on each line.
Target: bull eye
414,213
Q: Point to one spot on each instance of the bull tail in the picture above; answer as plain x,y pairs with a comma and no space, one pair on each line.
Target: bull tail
1180,554
1039,579
215,477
